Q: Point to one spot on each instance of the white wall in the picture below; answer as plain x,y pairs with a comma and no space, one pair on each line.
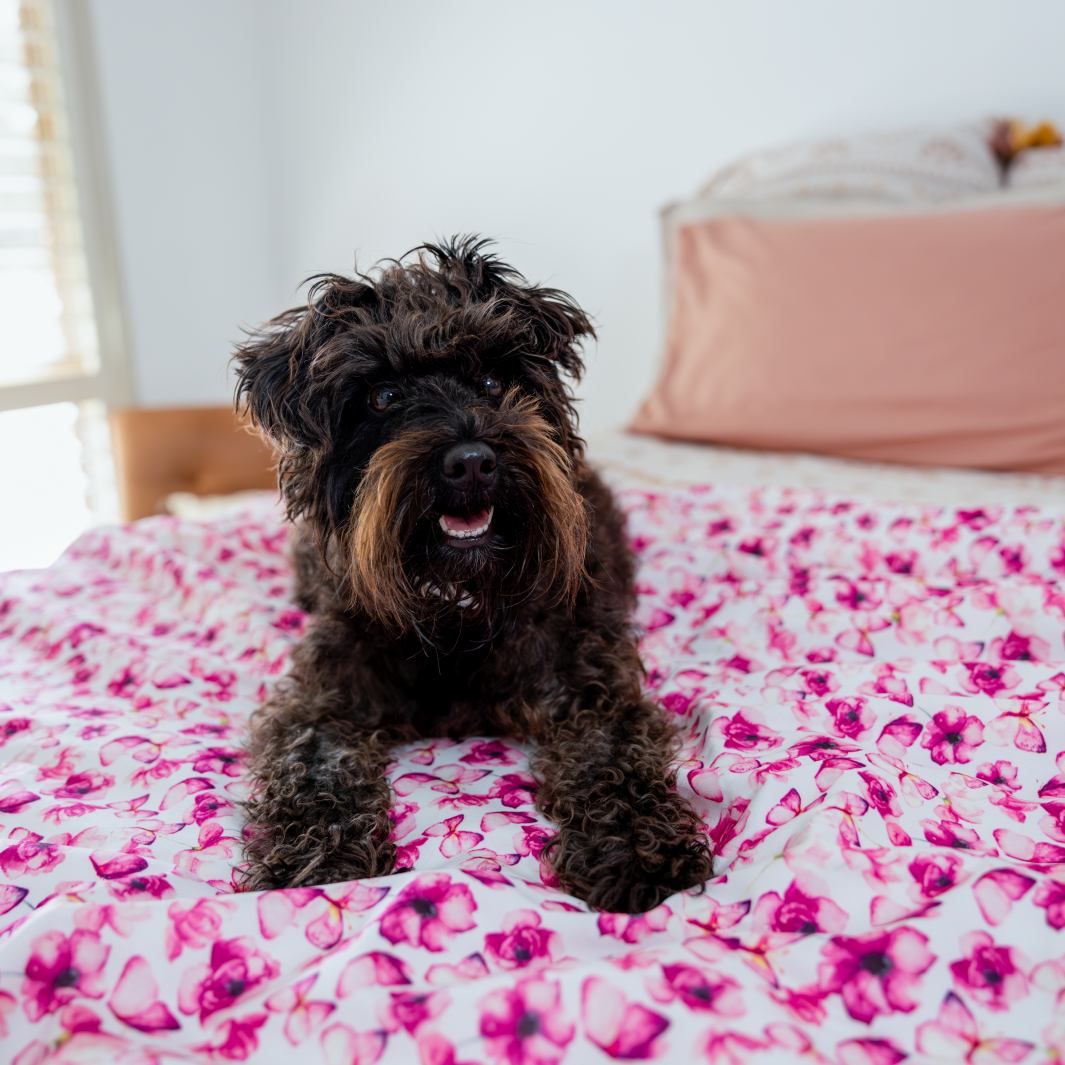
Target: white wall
285,137
195,206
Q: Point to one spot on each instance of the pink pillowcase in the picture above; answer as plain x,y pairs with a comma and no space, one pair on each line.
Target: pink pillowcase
923,336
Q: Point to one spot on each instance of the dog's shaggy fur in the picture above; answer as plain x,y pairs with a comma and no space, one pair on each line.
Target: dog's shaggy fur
522,630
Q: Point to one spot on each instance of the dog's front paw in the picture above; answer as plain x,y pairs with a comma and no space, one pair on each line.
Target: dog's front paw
314,852
617,874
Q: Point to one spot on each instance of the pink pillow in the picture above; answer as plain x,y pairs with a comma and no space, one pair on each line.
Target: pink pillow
924,336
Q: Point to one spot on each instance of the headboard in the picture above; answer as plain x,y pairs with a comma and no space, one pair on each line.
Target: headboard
207,451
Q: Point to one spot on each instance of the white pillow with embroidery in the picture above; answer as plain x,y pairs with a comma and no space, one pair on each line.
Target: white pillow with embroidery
899,165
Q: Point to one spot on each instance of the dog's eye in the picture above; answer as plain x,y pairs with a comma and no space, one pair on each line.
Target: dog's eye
383,396
491,386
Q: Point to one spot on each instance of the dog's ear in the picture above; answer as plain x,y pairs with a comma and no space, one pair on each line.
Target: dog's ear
274,381
555,322
549,317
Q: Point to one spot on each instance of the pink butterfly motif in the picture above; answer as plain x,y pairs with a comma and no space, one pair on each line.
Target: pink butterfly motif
453,840
302,1014
135,1000
954,1036
997,891
620,1028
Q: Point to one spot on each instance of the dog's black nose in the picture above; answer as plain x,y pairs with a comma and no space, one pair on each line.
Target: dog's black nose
470,465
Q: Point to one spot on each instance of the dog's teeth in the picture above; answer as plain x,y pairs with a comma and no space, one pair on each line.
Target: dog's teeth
463,531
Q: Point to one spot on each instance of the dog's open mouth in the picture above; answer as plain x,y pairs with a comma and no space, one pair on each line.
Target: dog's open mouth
469,530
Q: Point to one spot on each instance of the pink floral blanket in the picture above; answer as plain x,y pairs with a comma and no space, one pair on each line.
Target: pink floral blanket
874,711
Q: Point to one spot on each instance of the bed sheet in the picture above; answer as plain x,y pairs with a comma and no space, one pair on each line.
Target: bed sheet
871,693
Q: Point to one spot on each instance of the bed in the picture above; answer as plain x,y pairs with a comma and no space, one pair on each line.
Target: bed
868,664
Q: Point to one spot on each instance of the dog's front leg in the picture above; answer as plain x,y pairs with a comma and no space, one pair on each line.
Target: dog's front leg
626,839
319,811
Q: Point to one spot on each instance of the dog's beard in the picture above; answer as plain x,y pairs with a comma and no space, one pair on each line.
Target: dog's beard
405,575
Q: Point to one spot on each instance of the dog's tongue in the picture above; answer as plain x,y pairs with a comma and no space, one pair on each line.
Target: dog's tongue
455,525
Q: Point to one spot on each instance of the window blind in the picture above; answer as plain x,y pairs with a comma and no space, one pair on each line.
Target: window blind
47,329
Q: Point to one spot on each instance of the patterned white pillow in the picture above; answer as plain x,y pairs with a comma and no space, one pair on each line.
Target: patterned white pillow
900,165
1037,168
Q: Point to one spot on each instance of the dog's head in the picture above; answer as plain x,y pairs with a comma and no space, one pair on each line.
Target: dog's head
426,433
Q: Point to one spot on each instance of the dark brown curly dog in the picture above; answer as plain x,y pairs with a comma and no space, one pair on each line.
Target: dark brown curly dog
467,572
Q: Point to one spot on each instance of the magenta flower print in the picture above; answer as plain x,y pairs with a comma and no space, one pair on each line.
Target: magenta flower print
154,887
744,734
495,752
990,974
881,794
225,760
62,968
532,839
703,990
1053,822
935,873
901,562
988,678
114,866
1001,774
428,912
633,928
1050,896
410,1010
522,942
805,1005
234,969
819,682
28,855
876,974
954,835
850,717
12,726
891,685
858,595
13,798
525,1024
79,785
796,913
209,805
821,748
193,926
237,1039
1018,648
952,735
514,789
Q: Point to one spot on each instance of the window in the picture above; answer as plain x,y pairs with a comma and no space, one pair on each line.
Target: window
59,369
